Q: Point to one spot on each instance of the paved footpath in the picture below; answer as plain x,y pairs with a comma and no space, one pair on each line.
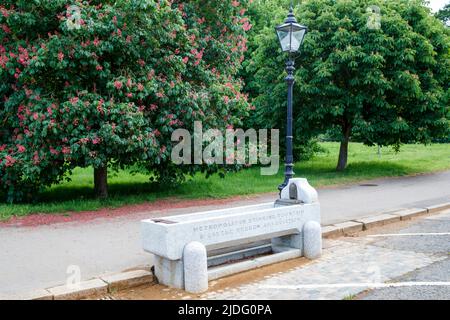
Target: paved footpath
412,262
39,257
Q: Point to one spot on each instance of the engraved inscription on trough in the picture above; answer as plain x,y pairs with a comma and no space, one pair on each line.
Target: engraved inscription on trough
260,223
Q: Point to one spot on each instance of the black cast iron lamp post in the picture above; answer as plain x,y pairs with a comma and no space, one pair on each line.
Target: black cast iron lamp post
291,35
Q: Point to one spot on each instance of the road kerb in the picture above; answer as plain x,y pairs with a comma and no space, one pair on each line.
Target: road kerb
127,280
41,294
331,232
350,227
378,220
84,290
384,218
438,208
408,214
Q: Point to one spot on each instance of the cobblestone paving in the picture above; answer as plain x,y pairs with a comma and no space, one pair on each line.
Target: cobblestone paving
346,268
436,272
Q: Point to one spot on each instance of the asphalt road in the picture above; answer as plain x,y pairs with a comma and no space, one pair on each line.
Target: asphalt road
40,257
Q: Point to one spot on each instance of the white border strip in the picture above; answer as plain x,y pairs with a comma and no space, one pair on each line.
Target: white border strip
408,234
372,285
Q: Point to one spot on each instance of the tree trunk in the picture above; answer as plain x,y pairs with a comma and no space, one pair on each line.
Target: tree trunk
343,150
101,182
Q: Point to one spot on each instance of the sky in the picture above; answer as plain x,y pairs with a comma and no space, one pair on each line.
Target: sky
438,4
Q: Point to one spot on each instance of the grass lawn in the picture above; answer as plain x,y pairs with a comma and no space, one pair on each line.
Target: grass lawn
364,163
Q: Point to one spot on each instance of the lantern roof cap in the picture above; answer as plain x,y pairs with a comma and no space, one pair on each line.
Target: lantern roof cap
291,17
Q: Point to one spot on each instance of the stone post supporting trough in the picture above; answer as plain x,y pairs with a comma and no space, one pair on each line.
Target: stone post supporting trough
195,268
312,240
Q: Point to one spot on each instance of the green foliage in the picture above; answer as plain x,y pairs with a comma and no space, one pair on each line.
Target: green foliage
389,85
110,86
263,14
444,14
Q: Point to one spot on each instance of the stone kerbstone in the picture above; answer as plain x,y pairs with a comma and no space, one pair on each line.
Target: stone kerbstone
408,214
379,220
350,227
128,279
331,231
438,208
195,268
312,240
85,289
31,295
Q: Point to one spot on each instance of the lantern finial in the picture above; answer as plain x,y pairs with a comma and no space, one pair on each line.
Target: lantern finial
291,17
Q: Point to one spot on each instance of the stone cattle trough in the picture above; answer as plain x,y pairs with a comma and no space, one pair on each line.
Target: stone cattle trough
194,248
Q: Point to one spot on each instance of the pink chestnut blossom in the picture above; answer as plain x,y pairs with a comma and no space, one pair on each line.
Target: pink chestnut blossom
60,56
21,148
54,151
74,100
9,161
36,159
118,85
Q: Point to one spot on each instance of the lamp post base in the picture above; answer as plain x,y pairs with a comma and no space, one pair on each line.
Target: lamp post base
287,202
288,175
283,185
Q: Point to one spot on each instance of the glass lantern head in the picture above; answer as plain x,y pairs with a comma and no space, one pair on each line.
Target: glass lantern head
291,34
